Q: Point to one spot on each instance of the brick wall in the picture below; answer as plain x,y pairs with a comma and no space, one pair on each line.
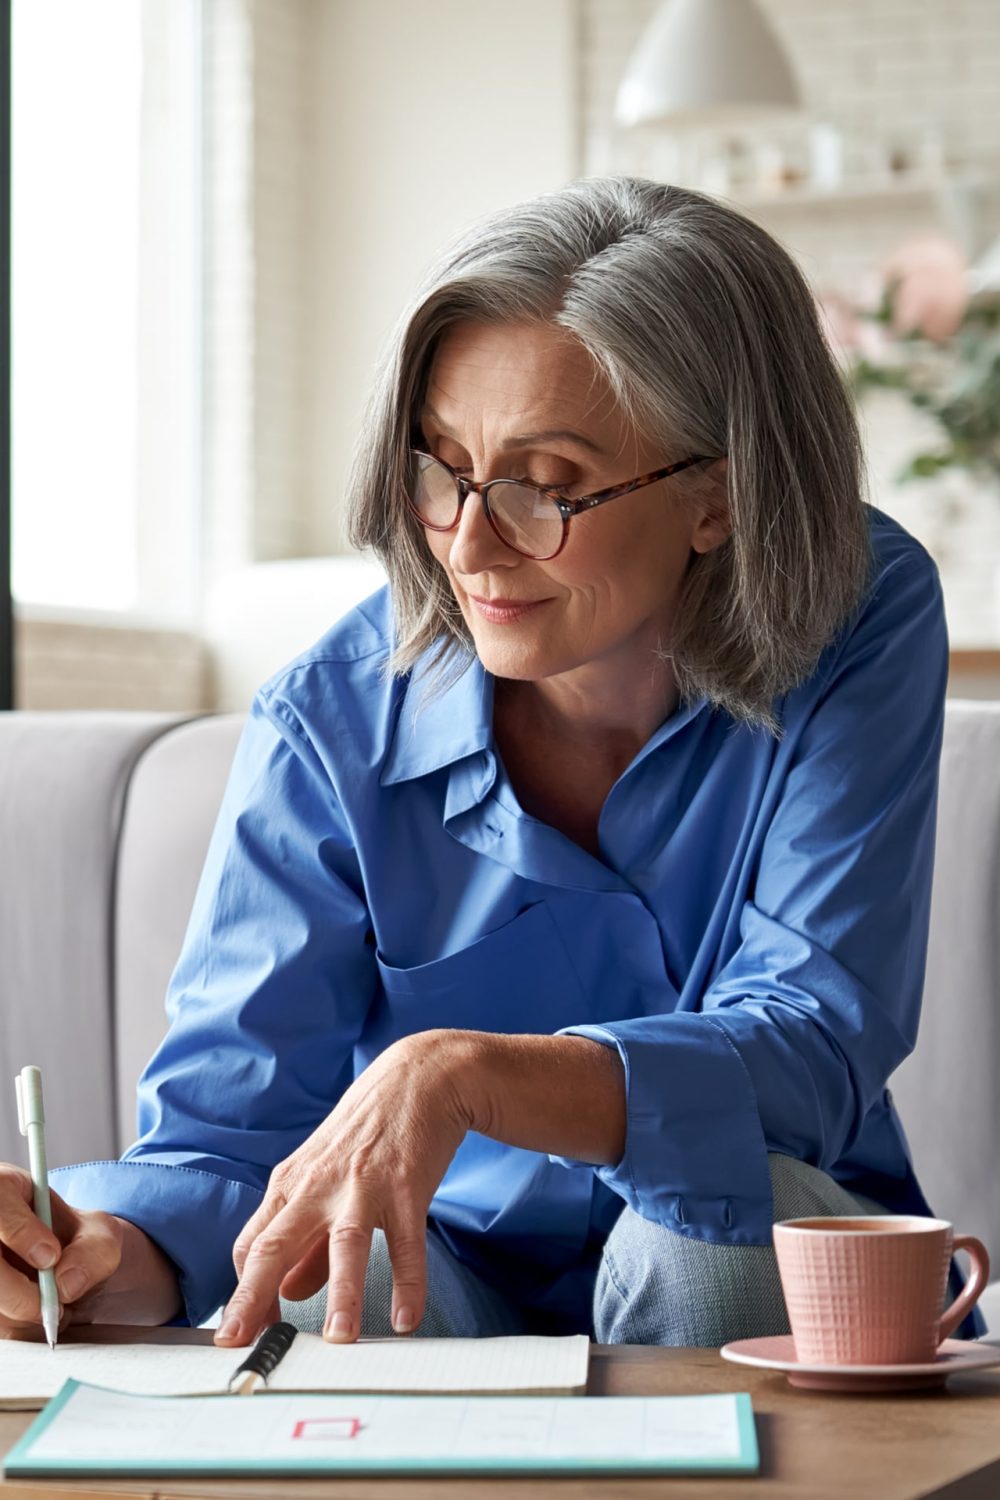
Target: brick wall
882,71
917,81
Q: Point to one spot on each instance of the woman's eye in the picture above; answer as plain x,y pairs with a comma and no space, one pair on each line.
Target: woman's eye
555,489
465,472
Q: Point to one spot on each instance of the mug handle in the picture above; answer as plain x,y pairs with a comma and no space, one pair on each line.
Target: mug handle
974,1287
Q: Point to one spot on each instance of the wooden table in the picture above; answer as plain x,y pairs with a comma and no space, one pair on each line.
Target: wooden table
944,1444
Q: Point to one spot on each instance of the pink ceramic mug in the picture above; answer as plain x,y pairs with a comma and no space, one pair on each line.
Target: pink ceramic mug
870,1291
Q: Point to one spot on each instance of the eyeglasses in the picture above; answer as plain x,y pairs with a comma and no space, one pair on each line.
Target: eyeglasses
527,517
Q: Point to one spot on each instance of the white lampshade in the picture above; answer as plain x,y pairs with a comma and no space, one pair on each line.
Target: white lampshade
707,62
984,275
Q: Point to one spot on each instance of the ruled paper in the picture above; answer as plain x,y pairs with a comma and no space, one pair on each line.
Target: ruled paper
30,1373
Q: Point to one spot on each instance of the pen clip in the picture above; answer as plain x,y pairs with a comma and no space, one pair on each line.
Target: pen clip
28,1088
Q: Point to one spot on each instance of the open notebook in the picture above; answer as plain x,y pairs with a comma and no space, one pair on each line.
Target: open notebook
30,1373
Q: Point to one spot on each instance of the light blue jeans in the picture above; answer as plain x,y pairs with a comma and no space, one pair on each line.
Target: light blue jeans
653,1286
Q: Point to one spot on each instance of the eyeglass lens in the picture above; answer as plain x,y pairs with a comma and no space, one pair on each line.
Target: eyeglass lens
527,521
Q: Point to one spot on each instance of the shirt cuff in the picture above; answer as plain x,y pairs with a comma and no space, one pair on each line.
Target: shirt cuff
193,1216
695,1155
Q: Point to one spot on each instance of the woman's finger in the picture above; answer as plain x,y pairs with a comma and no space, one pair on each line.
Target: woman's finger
350,1245
20,1229
272,1254
309,1275
19,1299
407,1244
272,1205
66,1220
91,1257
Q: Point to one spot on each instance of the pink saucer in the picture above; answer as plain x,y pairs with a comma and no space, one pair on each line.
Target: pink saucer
778,1353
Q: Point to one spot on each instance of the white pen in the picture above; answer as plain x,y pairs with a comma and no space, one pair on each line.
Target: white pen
31,1119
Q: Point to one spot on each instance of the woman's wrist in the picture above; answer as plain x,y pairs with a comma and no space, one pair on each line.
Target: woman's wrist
559,1094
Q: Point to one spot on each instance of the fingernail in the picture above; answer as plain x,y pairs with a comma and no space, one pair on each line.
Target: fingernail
43,1256
404,1320
71,1283
339,1326
230,1328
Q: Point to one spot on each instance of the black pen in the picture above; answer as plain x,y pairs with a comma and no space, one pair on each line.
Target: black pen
269,1350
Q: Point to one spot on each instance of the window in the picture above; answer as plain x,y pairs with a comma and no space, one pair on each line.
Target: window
105,298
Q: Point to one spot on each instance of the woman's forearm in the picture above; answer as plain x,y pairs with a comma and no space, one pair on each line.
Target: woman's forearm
559,1094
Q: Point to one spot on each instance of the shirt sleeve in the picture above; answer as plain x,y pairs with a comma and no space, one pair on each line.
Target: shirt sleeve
267,999
819,1003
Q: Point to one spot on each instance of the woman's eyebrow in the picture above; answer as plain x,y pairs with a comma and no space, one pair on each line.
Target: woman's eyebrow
525,439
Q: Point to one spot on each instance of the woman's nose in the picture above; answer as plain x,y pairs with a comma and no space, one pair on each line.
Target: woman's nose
475,545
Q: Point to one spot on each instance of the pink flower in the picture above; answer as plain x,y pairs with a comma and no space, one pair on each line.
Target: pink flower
930,274
840,323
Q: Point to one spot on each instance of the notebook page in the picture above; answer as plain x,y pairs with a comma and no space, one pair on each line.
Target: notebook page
522,1364
30,1373
35,1371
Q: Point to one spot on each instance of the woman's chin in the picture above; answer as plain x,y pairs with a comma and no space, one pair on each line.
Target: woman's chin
526,666
521,652
506,664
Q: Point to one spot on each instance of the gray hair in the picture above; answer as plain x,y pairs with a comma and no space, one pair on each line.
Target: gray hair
709,339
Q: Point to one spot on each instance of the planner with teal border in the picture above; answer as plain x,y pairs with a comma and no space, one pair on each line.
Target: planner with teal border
88,1431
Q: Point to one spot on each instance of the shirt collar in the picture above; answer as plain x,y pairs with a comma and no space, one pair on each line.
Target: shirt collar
440,729
437,729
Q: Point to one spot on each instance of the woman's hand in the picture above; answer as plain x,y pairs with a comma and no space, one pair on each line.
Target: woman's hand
106,1270
375,1163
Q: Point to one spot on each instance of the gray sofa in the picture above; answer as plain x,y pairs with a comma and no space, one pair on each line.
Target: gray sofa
104,824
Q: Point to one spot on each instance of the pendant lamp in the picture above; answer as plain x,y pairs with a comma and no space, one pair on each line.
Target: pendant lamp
707,63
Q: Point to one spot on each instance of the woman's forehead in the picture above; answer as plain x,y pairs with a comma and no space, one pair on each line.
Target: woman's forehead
518,373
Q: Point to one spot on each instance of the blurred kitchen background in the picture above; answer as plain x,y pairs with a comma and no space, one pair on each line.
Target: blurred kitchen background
219,207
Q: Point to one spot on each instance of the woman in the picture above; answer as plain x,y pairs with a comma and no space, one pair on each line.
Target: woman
567,908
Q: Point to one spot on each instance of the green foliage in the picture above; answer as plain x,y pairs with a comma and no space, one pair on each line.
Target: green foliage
957,382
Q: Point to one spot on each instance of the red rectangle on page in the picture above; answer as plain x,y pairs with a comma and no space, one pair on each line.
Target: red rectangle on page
325,1429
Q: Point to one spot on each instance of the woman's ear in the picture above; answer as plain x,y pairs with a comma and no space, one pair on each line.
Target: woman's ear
714,524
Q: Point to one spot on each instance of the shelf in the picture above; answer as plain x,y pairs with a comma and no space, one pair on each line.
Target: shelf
899,187
976,661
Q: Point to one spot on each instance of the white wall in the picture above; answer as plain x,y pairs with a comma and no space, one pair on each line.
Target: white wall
426,117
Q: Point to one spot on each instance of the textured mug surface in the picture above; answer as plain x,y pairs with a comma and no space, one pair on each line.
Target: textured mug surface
870,1291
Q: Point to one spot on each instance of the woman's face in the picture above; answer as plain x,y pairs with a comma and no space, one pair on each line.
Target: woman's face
524,401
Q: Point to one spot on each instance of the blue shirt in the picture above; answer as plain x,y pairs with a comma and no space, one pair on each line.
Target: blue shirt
752,941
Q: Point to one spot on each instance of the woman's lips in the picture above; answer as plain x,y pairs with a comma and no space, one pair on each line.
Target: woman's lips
505,611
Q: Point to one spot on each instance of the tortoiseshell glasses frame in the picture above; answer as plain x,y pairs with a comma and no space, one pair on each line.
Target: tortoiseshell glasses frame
567,508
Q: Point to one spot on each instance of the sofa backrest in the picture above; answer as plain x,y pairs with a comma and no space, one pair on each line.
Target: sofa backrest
169,814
